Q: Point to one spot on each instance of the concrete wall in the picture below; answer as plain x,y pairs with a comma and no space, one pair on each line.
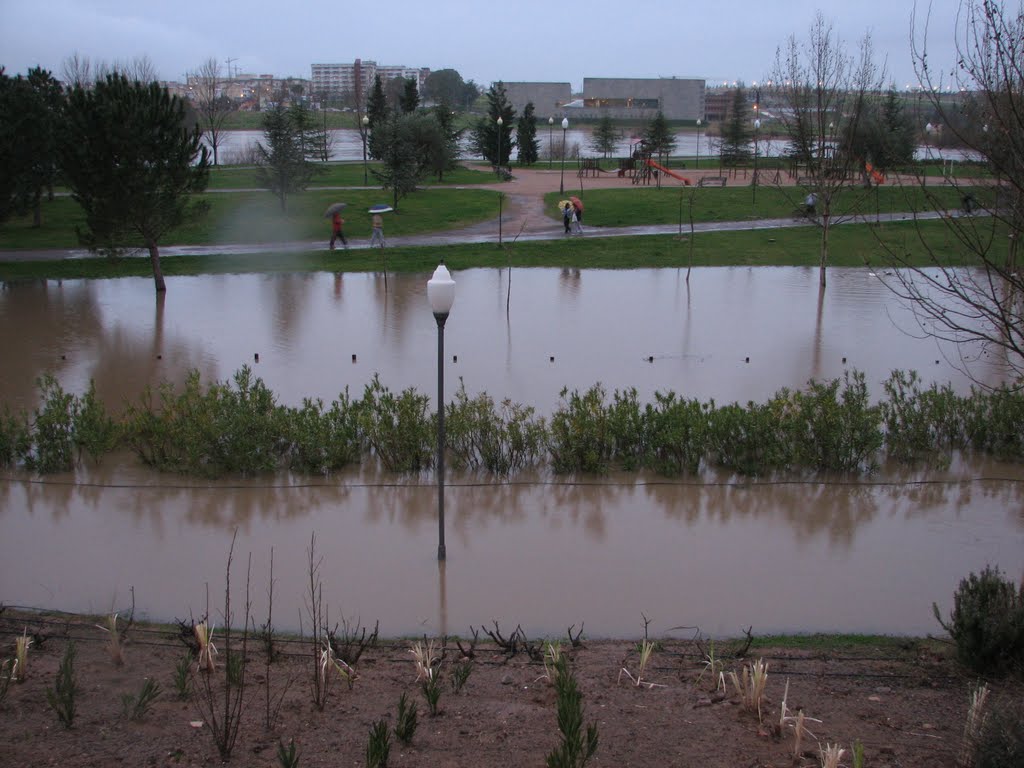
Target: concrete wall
547,98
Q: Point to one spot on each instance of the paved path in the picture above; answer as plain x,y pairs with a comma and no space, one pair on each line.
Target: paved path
523,219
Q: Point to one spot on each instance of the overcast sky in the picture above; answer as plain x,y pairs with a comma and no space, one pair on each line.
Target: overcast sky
485,41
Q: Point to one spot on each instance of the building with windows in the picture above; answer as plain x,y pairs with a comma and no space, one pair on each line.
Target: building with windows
341,79
641,98
547,98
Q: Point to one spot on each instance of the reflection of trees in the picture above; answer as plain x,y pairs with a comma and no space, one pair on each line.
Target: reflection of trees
289,296
42,320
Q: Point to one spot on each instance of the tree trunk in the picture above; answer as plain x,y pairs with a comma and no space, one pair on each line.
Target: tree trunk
154,260
824,248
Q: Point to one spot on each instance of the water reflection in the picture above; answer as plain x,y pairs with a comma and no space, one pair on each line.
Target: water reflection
542,552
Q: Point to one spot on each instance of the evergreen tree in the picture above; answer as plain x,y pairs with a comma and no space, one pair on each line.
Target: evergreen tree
605,137
132,164
737,132
659,137
445,157
282,163
407,142
899,128
377,112
485,132
526,136
410,98
29,119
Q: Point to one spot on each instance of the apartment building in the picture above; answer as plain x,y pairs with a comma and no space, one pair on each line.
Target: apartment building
339,79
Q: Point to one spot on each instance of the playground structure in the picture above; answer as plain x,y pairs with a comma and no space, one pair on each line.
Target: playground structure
642,168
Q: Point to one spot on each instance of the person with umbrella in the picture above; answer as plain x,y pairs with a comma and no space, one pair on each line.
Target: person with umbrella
576,216
337,224
377,236
567,211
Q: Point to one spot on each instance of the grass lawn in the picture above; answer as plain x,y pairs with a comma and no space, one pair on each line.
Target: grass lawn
851,246
337,175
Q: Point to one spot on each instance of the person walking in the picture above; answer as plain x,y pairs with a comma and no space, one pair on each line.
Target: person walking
566,217
377,237
574,222
337,230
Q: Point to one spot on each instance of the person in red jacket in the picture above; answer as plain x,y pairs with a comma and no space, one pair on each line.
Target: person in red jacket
337,231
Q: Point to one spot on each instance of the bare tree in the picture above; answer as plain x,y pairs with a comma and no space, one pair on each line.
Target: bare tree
211,103
824,93
77,70
83,71
978,303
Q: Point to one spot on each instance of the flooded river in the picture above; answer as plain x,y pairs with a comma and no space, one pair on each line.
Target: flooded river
541,551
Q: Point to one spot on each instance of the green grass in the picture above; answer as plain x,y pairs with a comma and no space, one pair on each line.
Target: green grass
851,246
349,174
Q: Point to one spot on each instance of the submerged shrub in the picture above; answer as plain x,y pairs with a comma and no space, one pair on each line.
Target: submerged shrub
52,444
628,428
96,432
581,439
397,428
833,430
987,623
921,424
14,437
994,422
479,436
679,434
320,441
751,440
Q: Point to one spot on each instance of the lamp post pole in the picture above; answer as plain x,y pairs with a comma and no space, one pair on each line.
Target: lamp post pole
500,123
441,295
551,123
697,163
561,182
757,127
365,123
500,194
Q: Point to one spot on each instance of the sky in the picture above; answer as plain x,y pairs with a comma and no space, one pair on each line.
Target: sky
518,40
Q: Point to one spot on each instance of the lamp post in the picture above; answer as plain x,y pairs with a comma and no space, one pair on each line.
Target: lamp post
561,181
697,163
757,127
366,124
500,123
551,124
441,295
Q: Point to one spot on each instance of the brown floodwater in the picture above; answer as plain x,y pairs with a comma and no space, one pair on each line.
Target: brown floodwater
540,551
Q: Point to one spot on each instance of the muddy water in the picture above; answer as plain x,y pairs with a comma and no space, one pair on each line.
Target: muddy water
546,554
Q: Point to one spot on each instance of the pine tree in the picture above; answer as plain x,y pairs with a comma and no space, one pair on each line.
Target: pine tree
282,165
659,137
485,133
605,137
133,164
445,157
410,98
526,136
377,112
737,132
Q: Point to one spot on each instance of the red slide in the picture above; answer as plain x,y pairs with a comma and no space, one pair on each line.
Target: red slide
673,174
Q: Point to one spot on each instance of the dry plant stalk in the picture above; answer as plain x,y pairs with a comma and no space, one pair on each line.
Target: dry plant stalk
831,754
114,647
751,690
424,656
646,649
21,646
797,722
329,660
207,650
976,715
552,655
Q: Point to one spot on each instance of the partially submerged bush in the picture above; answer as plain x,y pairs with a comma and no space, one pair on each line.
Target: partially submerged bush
482,437
398,428
987,623
581,439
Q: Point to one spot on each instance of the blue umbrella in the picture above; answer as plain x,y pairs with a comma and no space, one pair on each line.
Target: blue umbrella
381,208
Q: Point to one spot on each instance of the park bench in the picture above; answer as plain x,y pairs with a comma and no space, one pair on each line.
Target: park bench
712,181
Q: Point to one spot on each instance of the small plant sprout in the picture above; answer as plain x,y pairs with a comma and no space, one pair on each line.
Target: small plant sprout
751,689
405,721
552,654
61,697
713,666
646,649
182,676
287,757
424,656
6,675
830,756
328,661
977,714
797,722
137,707
858,754
207,650
21,646
460,674
378,745
113,640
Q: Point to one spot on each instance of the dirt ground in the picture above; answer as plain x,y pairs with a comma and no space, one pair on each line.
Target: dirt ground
904,700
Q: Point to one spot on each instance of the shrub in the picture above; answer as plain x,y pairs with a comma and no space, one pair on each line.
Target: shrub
62,697
836,431
320,441
581,437
921,425
479,436
1001,741
994,422
52,444
14,437
751,440
96,433
987,623
628,428
679,434
398,428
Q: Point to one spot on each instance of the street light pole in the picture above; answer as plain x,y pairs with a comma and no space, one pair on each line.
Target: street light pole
757,127
498,164
561,182
441,295
366,123
551,123
697,163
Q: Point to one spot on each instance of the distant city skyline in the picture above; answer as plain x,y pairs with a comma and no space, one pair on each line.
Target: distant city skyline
527,40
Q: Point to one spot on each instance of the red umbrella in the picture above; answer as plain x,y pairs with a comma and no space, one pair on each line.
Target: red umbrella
576,203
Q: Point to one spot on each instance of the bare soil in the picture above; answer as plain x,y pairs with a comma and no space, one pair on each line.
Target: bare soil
905,700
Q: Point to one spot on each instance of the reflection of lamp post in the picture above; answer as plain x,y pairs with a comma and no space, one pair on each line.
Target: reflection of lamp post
441,295
757,127
500,123
697,164
551,123
366,124
561,182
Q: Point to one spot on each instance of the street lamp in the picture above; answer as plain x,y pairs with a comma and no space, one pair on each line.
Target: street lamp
757,126
500,123
441,295
697,163
551,124
561,181
366,124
